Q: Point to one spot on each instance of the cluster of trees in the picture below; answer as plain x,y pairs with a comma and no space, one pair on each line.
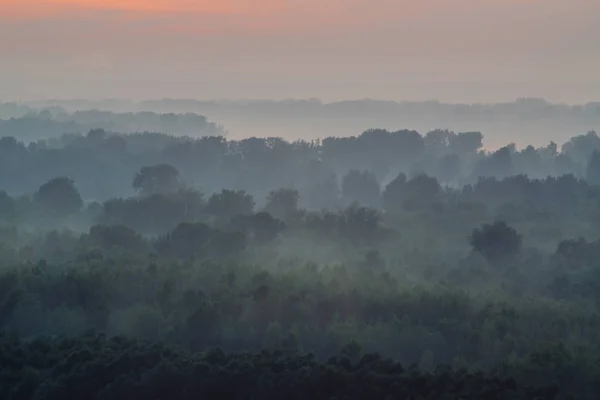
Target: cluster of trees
32,125
161,200
494,273
202,285
546,349
241,308
102,162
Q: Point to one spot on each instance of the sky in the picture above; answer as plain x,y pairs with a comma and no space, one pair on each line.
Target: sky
451,50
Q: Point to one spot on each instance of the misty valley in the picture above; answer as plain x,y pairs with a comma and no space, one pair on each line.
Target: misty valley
149,256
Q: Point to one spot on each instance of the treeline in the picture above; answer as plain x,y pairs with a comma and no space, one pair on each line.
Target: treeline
102,162
160,200
32,125
524,108
528,120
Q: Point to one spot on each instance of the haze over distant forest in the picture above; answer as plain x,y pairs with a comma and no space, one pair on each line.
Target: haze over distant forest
146,252
523,121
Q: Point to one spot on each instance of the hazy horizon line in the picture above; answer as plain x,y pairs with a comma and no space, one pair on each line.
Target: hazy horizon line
314,99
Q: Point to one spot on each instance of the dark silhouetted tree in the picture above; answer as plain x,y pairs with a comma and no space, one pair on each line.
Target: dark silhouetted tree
497,164
496,242
261,227
117,236
156,213
161,178
373,260
186,240
437,141
201,241
96,136
361,225
420,191
229,203
577,253
582,147
466,143
393,195
58,197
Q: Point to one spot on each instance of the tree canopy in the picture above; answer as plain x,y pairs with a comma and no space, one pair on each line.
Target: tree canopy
59,197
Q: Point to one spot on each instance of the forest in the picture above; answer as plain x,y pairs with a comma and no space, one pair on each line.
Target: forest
386,265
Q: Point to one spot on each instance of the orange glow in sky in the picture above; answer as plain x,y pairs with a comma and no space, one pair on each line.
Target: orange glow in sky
26,9
238,45
146,5
189,17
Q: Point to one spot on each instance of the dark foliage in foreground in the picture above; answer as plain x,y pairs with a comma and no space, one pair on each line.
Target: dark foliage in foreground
94,367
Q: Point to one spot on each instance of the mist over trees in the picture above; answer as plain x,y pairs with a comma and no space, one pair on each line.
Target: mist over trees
524,121
328,172
28,123
391,264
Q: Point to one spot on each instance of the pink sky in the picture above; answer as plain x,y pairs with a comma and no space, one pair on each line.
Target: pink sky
331,49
